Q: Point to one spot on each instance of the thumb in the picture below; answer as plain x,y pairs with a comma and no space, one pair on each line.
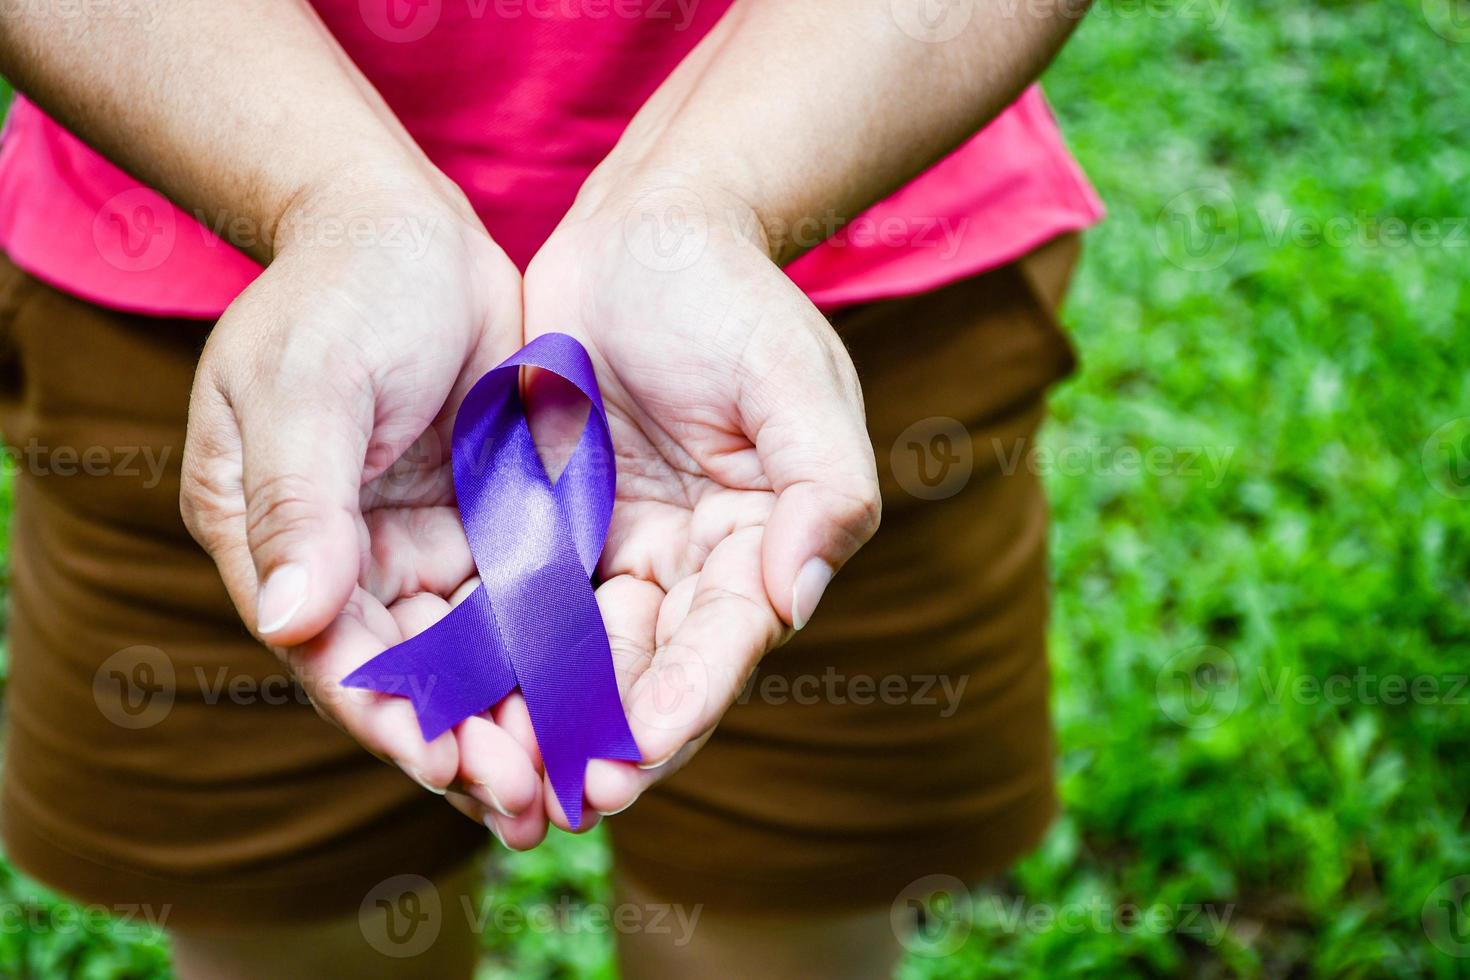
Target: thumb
301,469
812,438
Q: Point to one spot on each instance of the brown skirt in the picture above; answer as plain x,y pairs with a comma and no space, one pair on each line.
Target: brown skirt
156,755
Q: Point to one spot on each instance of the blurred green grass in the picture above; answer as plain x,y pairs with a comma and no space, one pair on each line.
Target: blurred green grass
1324,543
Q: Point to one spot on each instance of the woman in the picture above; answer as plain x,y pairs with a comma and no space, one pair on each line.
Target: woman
428,185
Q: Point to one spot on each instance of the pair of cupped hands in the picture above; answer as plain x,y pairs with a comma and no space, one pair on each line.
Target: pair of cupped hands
317,471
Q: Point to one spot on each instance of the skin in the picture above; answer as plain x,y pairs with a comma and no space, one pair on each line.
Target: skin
745,473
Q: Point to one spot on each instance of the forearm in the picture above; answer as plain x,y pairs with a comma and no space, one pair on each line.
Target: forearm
243,112
818,109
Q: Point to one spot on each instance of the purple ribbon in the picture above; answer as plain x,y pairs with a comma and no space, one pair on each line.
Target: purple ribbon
533,622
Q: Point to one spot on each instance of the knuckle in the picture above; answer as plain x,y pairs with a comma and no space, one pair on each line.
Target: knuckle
737,603
756,616
210,493
209,497
628,654
279,509
858,507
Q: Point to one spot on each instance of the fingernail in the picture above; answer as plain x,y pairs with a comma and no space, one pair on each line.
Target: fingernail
614,813
281,598
418,778
811,582
490,823
495,801
645,766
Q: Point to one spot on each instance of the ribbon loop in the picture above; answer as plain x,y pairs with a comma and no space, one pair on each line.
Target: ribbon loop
533,622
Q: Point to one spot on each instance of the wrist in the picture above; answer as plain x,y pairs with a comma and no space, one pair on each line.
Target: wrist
396,205
672,203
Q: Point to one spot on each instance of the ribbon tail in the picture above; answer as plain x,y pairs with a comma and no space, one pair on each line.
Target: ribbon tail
565,668
454,669
584,737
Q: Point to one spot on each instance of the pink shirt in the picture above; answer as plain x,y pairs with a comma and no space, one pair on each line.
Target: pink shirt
517,101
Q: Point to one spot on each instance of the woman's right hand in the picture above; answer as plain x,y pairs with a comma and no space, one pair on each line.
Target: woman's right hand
317,466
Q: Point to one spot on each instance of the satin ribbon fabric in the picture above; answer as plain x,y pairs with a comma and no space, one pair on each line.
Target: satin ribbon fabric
533,621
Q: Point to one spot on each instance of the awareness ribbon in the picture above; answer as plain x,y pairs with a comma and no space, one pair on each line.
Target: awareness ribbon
533,621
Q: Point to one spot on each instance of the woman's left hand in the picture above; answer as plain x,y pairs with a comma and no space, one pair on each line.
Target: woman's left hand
745,476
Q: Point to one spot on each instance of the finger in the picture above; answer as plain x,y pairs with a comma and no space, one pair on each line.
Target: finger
558,817
464,591
630,610
493,767
514,716
302,523
519,834
523,832
721,625
469,806
815,529
804,412
212,497
303,435
629,613
384,724
675,610
695,677
617,787
511,714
